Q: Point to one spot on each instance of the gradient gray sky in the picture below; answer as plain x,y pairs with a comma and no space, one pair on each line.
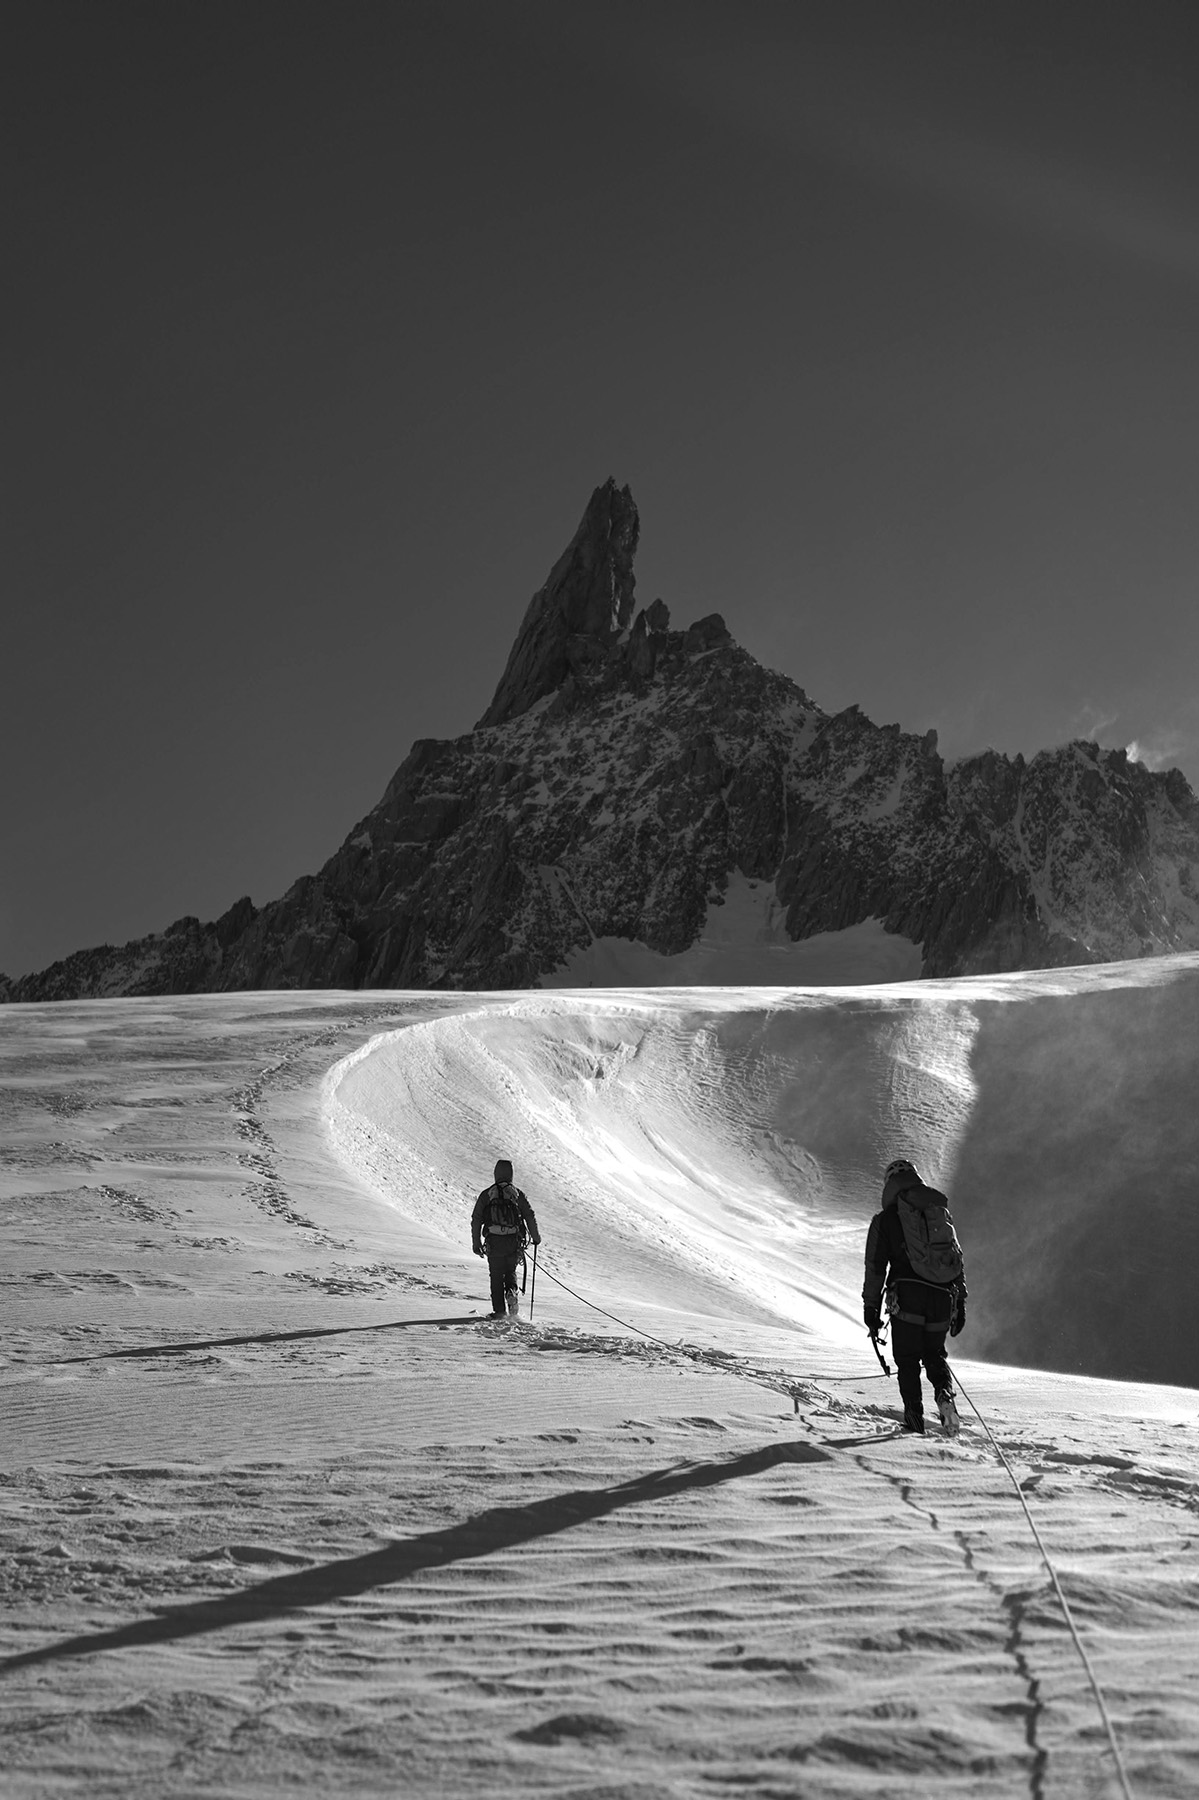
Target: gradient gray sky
321,322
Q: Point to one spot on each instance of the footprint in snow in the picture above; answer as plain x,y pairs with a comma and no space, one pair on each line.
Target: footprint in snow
572,1728
252,1553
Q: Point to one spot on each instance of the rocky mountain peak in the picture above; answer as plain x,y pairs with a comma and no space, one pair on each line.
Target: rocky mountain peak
672,792
586,602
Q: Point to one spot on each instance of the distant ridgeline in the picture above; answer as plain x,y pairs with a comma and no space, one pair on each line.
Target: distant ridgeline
625,772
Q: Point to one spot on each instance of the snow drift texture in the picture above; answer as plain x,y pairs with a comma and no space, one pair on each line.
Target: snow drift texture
284,1514
726,1150
627,776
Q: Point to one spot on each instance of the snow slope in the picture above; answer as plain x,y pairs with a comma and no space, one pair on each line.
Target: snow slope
727,1143
281,1510
744,942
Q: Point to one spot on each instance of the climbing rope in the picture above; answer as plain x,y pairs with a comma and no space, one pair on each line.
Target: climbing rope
627,1325
1100,1702
773,1387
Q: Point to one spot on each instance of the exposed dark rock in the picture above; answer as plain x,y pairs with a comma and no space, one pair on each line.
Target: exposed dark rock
233,923
587,599
661,763
706,634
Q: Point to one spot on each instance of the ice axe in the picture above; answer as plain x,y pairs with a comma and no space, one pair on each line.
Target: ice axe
877,1351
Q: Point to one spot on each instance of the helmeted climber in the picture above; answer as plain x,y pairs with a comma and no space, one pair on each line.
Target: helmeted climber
500,1226
914,1264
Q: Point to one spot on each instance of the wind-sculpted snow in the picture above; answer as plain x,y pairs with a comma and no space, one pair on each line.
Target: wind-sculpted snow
724,1148
673,1145
284,1512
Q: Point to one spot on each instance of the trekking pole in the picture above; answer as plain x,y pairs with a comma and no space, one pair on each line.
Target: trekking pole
533,1289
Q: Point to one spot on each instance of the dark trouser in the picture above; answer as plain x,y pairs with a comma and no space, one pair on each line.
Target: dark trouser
914,1344
503,1259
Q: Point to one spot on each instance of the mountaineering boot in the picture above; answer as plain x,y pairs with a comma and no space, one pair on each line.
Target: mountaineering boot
513,1299
950,1423
913,1421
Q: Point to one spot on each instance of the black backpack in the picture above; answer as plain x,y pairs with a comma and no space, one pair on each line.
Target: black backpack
928,1234
502,1212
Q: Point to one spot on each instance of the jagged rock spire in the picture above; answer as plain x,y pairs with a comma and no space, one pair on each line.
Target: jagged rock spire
586,601
495,856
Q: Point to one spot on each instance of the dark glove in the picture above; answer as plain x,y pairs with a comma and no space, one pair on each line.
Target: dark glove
535,1241
874,1319
478,1249
959,1319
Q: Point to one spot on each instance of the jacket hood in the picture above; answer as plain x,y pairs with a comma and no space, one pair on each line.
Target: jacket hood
895,1185
503,1171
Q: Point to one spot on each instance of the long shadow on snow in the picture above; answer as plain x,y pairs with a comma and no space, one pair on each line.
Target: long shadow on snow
500,1528
262,1337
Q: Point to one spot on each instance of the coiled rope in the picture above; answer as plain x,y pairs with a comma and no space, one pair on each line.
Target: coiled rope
772,1387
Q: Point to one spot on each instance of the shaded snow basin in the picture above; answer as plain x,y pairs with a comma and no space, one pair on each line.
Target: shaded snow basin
744,943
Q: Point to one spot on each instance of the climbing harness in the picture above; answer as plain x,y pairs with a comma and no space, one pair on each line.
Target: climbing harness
900,1305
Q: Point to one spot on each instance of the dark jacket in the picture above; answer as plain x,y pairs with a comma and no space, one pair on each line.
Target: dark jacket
498,1238
886,1251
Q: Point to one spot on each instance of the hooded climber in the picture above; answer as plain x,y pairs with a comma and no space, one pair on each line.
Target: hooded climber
914,1261
501,1224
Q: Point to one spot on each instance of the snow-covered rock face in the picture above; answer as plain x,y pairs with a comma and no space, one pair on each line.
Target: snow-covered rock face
627,776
